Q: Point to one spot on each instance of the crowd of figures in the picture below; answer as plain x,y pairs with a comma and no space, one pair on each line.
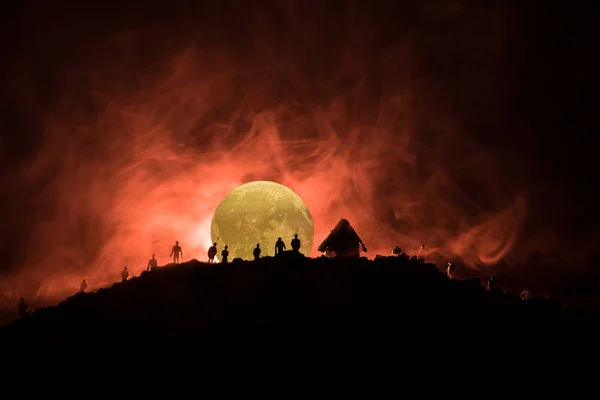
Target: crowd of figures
279,249
342,241
177,256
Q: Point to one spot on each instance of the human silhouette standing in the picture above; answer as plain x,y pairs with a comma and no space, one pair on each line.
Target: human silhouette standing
397,251
84,286
450,270
124,274
224,255
422,253
256,252
152,263
296,244
23,308
491,284
212,252
279,246
176,253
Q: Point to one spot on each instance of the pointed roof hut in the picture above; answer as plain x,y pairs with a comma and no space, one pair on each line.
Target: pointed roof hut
342,241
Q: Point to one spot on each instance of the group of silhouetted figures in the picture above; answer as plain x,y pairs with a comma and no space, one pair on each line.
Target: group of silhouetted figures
342,241
279,248
177,254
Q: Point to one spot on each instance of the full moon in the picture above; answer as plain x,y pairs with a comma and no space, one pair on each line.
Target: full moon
258,213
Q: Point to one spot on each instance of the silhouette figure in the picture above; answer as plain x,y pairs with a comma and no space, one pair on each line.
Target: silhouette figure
397,251
176,253
491,284
422,253
224,255
212,252
256,252
124,274
152,263
450,270
525,295
23,308
296,244
279,246
342,241
83,287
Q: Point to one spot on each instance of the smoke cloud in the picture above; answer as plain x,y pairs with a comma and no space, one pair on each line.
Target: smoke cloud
369,121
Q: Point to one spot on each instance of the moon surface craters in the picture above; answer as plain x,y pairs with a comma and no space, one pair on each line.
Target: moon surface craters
260,212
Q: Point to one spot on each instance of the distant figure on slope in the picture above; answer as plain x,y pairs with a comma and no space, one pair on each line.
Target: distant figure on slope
525,295
83,287
212,252
279,246
450,270
176,253
342,241
422,253
295,244
152,263
124,274
397,251
224,255
491,284
23,308
256,252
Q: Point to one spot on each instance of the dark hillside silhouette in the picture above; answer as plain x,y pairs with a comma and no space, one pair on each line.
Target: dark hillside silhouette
302,318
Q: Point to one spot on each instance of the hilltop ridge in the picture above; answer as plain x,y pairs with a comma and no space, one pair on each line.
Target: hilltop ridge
288,311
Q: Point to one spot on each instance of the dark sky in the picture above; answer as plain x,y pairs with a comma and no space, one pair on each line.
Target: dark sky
546,85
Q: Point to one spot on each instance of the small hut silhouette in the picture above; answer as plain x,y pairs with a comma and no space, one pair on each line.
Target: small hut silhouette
342,241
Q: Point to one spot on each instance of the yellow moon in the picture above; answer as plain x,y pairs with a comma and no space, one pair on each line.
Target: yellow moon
258,213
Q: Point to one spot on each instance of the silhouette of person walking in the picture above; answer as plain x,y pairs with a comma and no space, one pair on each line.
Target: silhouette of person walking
256,252
152,263
124,274
224,255
23,308
176,253
84,286
296,244
279,246
212,252
450,270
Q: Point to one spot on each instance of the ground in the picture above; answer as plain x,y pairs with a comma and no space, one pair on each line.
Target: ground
298,317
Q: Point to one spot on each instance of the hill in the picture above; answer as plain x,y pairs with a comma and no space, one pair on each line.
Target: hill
297,316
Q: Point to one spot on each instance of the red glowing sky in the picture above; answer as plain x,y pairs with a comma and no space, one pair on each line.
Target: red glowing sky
141,153
159,172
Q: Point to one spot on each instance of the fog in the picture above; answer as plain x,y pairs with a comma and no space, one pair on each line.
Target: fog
385,117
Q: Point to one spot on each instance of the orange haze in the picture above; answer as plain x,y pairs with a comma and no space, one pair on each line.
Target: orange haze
172,138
